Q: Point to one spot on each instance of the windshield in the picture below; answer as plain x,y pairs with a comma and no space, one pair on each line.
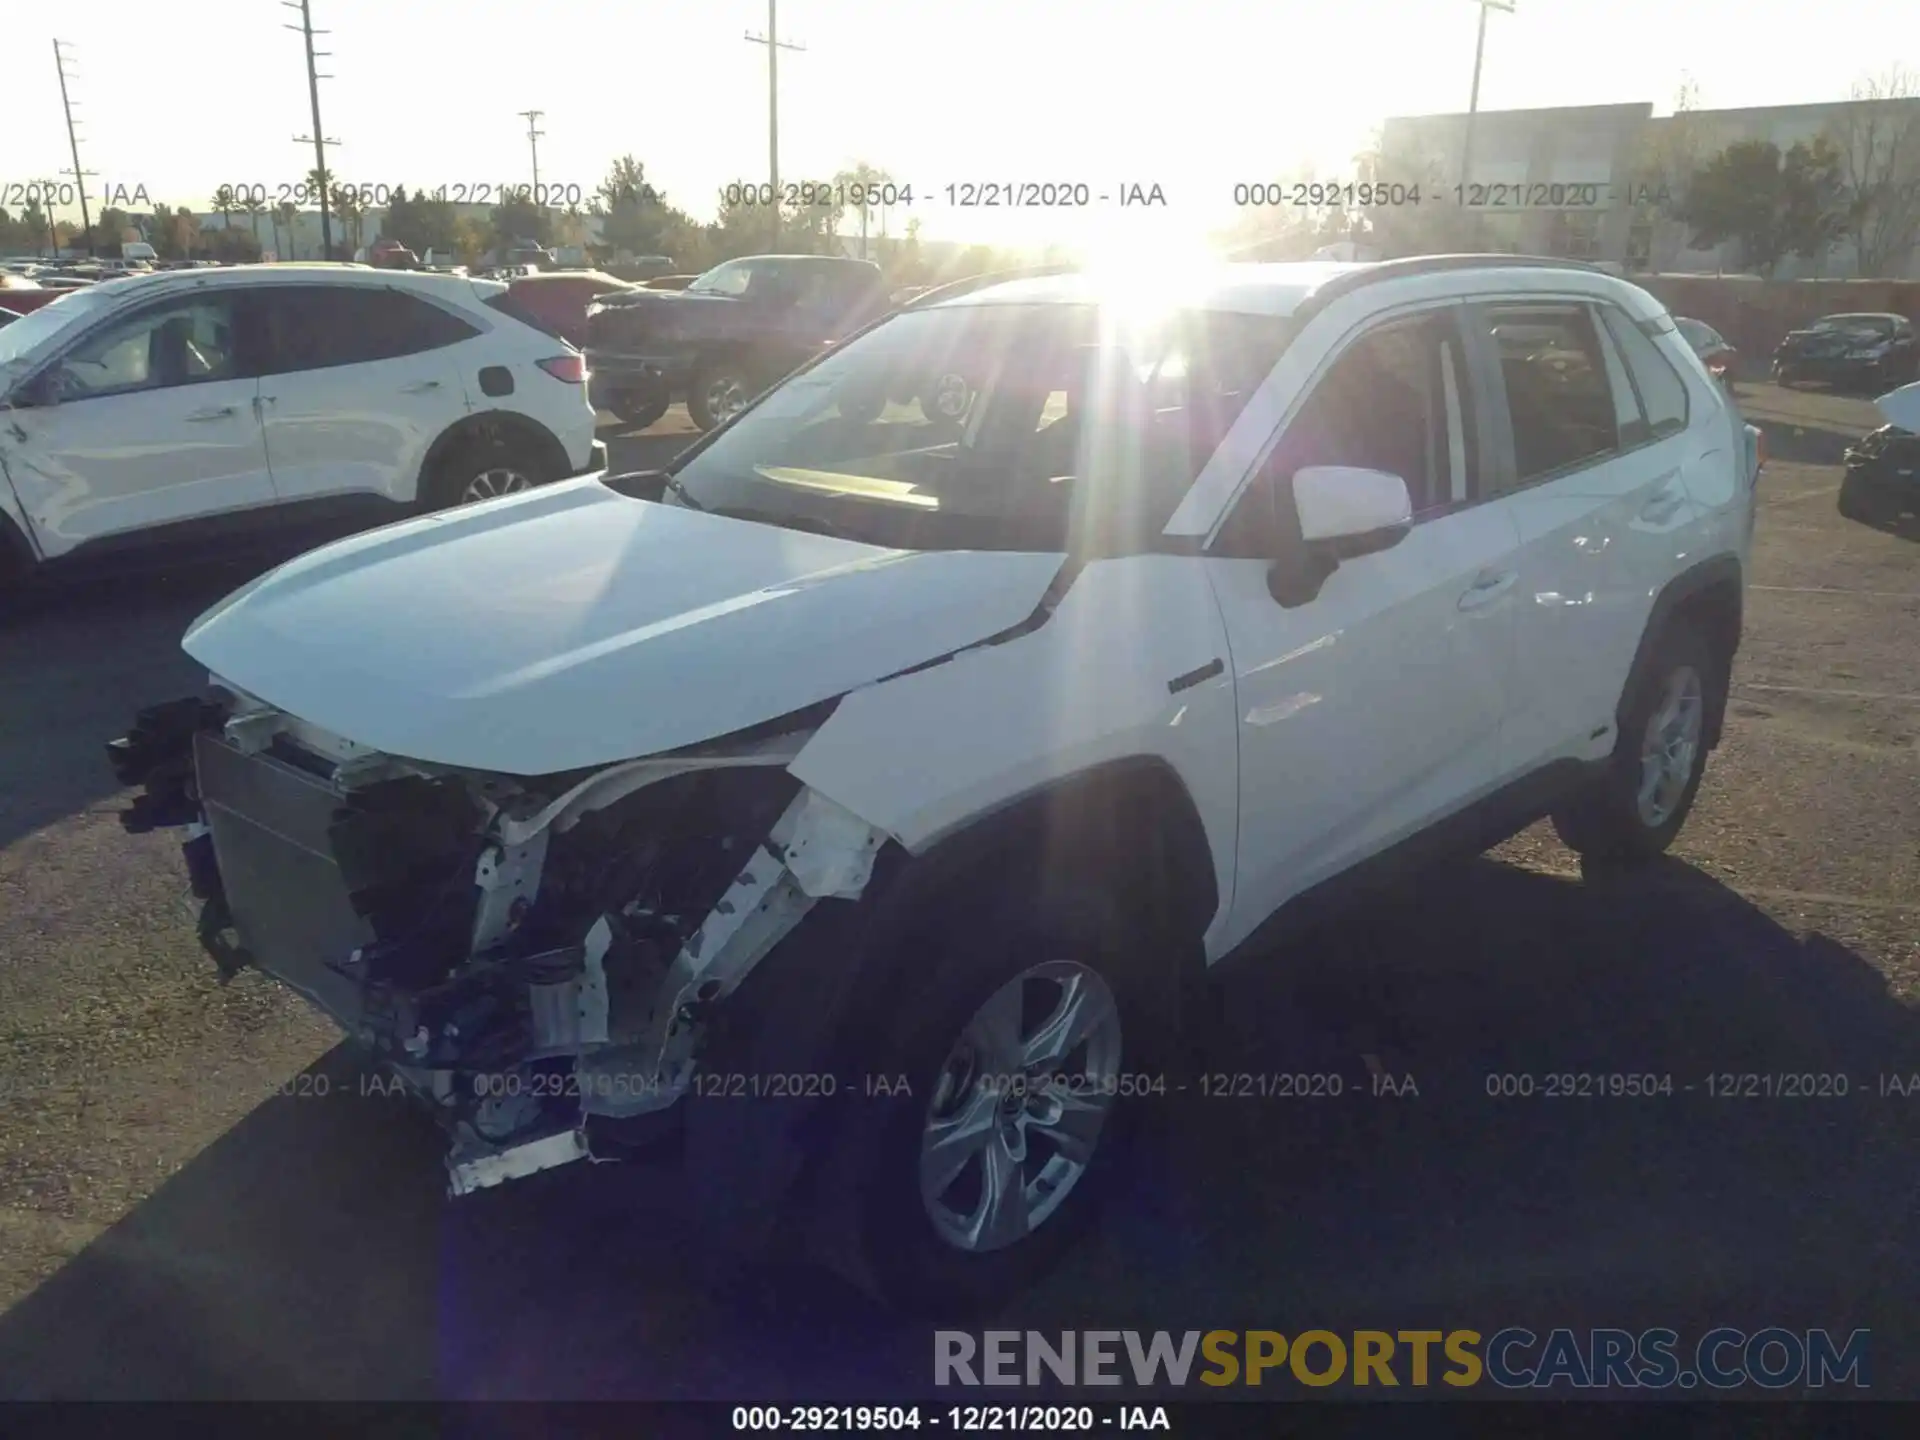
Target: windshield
27,333
1697,334
1875,325
732,278
993,427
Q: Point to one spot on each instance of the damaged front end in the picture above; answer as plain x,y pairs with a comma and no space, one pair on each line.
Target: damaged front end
536,959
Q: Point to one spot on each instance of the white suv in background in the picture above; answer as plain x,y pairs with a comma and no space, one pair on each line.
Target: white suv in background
866,799
206,403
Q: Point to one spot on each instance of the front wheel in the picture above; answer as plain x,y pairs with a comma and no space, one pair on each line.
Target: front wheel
1633,810
639,408
1024,1046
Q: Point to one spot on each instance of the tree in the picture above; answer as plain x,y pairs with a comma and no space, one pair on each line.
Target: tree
233,246
400,223
1417,215
255,206
520,219
225,202
1772,204
865,187
285,216
634,217
351,214
470,240
1877,136
33,222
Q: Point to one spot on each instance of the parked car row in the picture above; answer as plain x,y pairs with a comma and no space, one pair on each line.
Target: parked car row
208,404
1865,350
953,745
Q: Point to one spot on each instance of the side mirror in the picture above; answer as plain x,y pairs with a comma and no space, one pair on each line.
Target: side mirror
1342,512
1350,510
36,393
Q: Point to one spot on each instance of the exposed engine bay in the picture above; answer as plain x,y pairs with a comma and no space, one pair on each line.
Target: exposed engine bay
526,955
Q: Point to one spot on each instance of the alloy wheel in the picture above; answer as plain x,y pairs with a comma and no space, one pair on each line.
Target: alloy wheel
1019,1106
951,396
493,483
1670,747
726,397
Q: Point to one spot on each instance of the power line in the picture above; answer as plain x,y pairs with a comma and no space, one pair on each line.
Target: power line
774,45
73,148
318,138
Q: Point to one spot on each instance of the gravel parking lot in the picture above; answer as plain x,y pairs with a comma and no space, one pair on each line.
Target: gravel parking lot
196,1201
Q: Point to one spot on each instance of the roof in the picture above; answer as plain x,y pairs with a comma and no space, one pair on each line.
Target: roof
160,281
1278,288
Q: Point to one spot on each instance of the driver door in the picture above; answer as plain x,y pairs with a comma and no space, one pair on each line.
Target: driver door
149,421
1373,708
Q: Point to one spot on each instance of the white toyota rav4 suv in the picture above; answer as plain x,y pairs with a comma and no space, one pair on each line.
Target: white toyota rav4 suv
861,804
207,404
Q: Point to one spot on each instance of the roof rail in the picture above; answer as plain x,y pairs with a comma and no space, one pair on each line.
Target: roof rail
1369,272
954,289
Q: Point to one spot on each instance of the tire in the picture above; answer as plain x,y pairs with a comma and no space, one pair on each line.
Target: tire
483,469
720,389
1611,821
946,401
639,408
1076,937
1850,505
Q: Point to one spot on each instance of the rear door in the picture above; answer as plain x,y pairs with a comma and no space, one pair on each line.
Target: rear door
150,422
1593,478
358,385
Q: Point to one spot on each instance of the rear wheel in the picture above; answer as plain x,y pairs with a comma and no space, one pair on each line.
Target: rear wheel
1632,812
477,470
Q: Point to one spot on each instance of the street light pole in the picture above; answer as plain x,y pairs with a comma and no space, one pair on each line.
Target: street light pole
1473,103
774,45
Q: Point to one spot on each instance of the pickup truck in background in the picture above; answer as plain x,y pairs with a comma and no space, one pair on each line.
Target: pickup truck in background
726,337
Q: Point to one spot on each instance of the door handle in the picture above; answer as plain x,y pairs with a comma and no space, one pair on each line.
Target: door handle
218,412
419,387
1488,586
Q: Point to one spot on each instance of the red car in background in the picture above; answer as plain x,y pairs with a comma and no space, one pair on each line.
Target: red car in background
557,301
21,295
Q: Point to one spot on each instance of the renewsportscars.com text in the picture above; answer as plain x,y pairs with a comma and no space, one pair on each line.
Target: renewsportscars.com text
1723,1358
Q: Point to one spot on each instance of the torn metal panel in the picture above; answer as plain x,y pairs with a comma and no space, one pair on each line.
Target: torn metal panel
469,1172
508,877
816,850
617,782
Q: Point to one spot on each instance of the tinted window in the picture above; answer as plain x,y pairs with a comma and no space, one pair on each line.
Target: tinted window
188,342
1557,393
316,327
1383,406
1662,393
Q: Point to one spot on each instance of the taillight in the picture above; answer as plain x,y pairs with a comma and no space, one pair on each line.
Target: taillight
570,369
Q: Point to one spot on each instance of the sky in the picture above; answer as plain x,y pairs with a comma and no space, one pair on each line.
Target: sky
1189,95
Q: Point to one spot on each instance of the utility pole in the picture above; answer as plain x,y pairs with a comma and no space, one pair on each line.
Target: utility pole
73,148
532,117
774,45
1473,104
318,138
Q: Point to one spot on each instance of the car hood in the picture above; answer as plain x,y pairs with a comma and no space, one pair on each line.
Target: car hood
573,626
1901,408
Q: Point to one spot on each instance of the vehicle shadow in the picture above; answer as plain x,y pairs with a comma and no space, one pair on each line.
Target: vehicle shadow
77,662
309,1253
1794,443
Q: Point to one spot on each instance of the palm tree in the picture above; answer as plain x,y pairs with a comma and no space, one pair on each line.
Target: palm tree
224,201
862,181
255,208
287,214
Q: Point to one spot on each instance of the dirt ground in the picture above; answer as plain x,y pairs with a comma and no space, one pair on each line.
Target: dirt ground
197,1202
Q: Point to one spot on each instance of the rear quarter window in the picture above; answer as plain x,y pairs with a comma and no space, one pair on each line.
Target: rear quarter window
1661,391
